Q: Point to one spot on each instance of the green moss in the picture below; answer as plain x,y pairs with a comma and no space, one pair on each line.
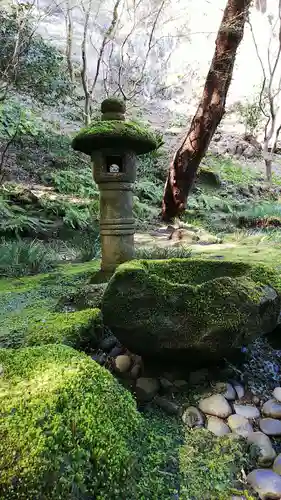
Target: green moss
80,329
29,311
113,105
66,427
188,307
118,135
209,465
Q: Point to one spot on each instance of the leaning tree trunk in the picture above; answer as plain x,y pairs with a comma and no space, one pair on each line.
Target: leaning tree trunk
209,112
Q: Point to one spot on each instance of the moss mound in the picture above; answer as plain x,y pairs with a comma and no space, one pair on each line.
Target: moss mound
179,307
79,329
118,135
210,465
32,309
66,427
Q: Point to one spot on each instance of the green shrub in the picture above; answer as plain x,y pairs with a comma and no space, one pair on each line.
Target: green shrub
67,427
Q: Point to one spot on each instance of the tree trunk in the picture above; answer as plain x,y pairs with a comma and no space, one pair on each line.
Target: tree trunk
209,112
69,42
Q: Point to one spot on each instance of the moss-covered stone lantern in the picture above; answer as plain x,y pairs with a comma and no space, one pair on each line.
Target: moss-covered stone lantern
113,145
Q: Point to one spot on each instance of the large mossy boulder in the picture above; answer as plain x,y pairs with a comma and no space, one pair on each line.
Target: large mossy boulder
203,308
66,427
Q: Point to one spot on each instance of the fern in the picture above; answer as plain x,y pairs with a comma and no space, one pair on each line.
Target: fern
19,258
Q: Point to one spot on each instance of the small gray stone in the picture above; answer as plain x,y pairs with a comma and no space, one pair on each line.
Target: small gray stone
116,351
180,384
146,388
266,483
277,393
123,363
169,407
215,405
266,453
240,391
226,390
230,393
100,358
192,417
272,408
217,426
1,370
108,343
135,371
166,385
247,411
239,425
277,465
270,426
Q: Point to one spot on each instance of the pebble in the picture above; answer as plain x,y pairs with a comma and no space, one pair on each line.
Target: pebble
277,465
226,390
180,384
192,417
272,408
99,358
116,351
239,389
266,452
135,371
270,426
1,370
166,385
108,343
217,426
247,411
277,393
123,363
266,483
169,407
215,405
230,393
239,425
146,388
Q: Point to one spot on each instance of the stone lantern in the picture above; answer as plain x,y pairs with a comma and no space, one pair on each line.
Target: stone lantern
113,145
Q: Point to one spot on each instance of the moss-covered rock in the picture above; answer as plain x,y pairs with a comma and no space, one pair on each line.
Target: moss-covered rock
116,134
66,427
185,306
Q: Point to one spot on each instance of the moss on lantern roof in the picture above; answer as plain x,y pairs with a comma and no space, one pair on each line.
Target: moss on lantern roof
113,104
115,134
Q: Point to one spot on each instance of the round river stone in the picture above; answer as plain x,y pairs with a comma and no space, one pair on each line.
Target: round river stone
239,425
270,426
215,405
266,483
277,393
272,408
277,465
217,426
247,411
266,453
192,417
